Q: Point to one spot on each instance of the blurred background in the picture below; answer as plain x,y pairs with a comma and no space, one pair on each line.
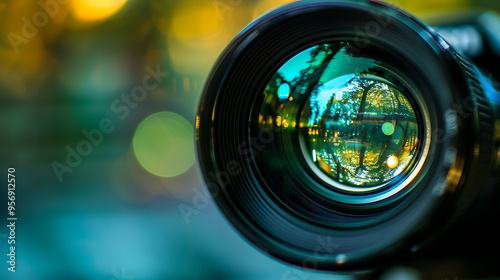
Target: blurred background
98,103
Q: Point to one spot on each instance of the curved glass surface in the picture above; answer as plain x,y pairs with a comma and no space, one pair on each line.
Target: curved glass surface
351,114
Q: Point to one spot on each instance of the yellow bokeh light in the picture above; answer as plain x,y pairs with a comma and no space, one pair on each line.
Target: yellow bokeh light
265,6
192,18
90,10
195,35
392,162
426,6
416,7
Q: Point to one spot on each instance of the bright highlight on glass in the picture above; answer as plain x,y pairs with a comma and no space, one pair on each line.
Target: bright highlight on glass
284,91
392,162
388,128
164,144
355,125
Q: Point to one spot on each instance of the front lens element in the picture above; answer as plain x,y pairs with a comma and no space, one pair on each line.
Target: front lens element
353,118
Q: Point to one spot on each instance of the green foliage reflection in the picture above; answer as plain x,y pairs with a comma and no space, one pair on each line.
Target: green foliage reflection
357,125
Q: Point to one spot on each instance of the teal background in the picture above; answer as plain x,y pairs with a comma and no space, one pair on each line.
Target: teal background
110,217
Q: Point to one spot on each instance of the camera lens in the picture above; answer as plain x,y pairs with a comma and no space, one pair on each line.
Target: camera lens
355,126
338,135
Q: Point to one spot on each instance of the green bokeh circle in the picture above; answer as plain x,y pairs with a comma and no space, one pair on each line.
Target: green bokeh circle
164,144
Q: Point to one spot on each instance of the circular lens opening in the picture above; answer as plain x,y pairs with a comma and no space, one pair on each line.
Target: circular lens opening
357,128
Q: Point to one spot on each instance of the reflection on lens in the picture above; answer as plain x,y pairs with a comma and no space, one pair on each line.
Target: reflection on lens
388,128
392,162
284,91
355,122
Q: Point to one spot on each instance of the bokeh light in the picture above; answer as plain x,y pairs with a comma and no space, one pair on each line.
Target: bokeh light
388,128
194,18
198,31
264,6
164,144
64,77
392,162
284,91
90,10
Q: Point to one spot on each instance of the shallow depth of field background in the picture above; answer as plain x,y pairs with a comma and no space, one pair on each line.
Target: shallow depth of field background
116,212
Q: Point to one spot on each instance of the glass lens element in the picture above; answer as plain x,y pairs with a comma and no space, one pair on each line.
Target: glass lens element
354,121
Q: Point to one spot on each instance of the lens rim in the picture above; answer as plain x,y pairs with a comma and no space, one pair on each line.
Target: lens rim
224,124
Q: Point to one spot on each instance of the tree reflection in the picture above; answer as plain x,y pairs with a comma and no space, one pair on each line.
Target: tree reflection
341,103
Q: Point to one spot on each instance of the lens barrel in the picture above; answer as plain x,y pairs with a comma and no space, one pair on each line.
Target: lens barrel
416,124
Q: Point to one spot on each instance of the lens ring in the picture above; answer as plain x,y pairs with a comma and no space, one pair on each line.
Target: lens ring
272,204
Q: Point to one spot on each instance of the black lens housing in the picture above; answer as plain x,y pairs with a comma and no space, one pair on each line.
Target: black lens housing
275,205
